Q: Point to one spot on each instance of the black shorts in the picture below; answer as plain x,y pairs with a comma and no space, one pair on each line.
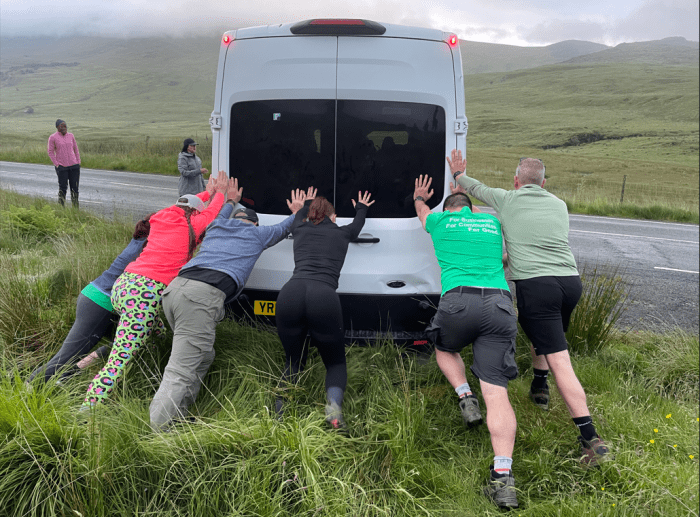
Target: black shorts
485,318
545,305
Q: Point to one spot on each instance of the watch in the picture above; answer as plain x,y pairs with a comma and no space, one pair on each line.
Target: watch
419,198
455,174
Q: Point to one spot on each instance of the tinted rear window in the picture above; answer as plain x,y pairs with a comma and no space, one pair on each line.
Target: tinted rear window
382,147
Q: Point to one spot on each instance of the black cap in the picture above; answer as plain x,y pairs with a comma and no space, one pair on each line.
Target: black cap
250,214
188,142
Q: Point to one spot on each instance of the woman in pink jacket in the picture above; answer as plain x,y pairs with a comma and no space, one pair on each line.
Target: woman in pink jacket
136,295
64,154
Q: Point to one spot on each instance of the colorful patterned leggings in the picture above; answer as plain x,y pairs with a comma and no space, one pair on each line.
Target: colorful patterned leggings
136,299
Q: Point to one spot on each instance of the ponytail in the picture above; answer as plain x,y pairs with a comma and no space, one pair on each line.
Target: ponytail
193,238
319,209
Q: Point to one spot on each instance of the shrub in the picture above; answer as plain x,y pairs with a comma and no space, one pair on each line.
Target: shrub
600,306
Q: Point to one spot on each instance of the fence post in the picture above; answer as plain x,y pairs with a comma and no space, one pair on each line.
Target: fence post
622,194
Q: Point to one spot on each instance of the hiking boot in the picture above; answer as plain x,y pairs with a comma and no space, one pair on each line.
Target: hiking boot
593,451
471,414
501,490
334,417
540,396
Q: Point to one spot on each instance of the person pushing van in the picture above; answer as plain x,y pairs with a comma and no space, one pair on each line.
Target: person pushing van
475,307
194,301
548,287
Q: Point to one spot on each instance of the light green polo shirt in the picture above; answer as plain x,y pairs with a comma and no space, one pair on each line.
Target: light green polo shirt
469,249
535,228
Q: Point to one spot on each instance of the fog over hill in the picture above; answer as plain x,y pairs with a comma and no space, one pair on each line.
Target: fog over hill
478,58
668,51
200,55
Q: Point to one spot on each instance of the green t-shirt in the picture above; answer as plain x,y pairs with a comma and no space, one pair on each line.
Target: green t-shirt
469,249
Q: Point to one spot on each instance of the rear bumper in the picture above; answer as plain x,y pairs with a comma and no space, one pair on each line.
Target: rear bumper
367,318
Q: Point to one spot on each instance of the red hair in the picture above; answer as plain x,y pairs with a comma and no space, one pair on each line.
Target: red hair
320,209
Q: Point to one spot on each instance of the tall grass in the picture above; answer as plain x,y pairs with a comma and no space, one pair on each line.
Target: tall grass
602,302
406,453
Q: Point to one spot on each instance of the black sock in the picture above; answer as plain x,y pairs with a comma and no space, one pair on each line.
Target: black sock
585,427
539,381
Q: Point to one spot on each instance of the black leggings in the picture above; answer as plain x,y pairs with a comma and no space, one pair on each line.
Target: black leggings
307,306
92,323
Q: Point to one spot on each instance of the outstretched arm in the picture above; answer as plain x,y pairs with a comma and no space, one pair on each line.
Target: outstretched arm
493,197
421,194
361,206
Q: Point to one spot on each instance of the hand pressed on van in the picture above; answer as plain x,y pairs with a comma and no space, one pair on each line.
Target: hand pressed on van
298,197
311,193
458,165
363,198
234,193
421,194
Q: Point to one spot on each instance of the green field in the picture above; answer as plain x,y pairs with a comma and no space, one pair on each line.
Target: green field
594,120
406,453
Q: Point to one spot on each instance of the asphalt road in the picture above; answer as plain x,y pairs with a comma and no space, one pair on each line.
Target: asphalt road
659,261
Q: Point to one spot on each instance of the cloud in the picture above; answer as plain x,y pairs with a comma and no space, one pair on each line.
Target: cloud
515,22
658,19
653,20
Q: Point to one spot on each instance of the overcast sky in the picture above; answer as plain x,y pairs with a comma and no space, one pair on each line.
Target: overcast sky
513,22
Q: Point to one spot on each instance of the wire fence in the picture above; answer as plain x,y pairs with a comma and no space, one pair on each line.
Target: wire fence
622,191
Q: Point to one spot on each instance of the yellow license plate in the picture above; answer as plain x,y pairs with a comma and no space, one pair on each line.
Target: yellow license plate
264,308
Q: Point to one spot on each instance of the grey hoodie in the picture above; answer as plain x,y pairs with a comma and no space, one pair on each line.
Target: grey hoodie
191,180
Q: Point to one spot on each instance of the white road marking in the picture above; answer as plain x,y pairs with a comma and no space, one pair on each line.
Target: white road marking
142,186
634,236
679,270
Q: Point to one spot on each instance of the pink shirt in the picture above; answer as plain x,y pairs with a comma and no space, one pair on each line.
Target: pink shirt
63,149
168,241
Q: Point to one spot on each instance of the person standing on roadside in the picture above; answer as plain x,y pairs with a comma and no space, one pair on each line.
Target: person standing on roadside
475,308
191,170
64,154
548,286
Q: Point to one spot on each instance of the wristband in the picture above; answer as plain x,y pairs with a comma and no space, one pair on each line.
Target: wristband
455,174
419,198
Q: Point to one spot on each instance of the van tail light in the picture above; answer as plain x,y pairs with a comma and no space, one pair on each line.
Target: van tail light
452,40
227,38
338,27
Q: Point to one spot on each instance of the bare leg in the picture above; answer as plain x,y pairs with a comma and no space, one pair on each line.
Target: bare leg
538,361
569,386
452,366
500,419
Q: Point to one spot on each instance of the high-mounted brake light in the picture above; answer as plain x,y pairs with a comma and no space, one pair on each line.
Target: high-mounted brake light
452,40
338,27
227,39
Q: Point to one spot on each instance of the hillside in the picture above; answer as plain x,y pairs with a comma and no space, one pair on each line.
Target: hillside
478,58
668,51
638,99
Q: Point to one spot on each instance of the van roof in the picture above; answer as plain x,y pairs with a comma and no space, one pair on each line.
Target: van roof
392,31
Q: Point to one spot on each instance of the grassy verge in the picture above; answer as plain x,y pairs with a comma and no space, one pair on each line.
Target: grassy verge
407,453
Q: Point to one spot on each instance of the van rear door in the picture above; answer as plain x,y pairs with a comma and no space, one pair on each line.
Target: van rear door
396,98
